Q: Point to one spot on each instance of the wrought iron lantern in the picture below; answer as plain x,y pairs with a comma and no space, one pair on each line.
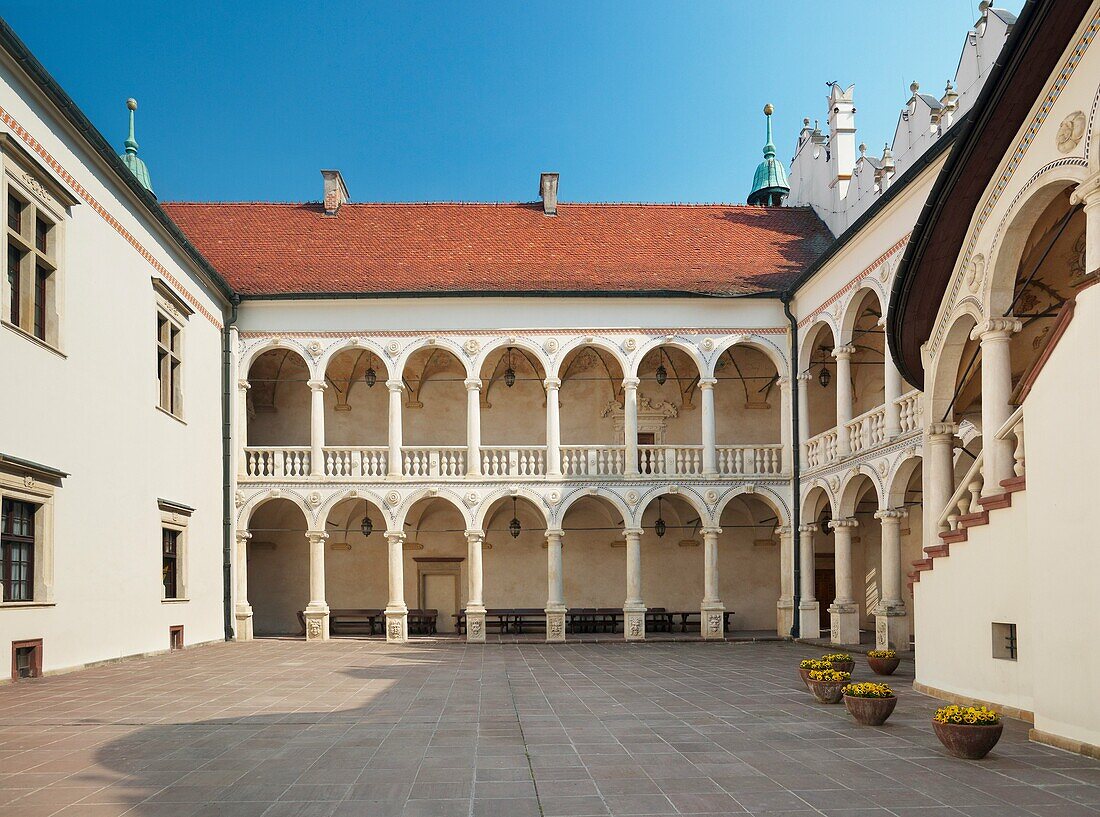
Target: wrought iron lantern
371,377
659,526
662,374
514,526
366,527
824,377
510,373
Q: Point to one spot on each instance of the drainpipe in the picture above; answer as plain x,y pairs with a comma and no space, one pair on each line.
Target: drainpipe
227,470
796,467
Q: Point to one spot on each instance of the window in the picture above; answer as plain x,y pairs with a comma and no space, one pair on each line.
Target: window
26,659
169,364
17,549
15,263
175,637
1004,641
168,573
15,213
41,290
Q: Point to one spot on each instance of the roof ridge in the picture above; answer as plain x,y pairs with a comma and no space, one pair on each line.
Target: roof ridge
532,204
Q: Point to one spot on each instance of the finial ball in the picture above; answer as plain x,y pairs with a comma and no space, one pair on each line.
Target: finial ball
768,109
131,103
914,86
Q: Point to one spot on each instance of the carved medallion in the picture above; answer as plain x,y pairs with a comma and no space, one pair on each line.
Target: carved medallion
392,348
1070,132
471,498
314,498
551,345
471,346
393,498
314,348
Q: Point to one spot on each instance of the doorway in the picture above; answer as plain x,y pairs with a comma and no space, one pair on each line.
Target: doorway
438,589
825,593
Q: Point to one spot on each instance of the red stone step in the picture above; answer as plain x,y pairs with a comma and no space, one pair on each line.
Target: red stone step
991,503
973,520
949,536
923,564
938,550
1014,484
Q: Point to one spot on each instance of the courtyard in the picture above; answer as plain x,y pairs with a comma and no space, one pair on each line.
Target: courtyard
354,727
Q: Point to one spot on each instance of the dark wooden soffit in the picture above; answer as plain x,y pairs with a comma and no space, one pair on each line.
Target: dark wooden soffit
1024,67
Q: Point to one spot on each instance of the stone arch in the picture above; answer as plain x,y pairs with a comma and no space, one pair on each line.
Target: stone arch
603,344
444,343
811,502
853,310
610,496
535,350
762,492
366,345
774,353
685,346
248,357
326,507
253,503
852,489
949,357
900,476
481,510
810,337
400,513
689,495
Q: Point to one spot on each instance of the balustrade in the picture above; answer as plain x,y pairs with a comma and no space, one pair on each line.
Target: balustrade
276,462
909,410
433,461
369,462
593,460
515,461
681,460
868,430
750,460
965,499
822,449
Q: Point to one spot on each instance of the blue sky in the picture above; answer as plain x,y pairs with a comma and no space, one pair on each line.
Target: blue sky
469,101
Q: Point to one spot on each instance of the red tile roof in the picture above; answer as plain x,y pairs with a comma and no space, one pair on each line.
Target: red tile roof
264,249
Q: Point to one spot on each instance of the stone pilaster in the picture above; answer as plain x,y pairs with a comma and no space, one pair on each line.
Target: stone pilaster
242,610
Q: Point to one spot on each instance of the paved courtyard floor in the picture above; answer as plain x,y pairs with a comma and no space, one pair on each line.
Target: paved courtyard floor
279,728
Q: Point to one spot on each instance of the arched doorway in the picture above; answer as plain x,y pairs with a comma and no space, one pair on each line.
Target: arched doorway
749,562
356,568
436,566
278,568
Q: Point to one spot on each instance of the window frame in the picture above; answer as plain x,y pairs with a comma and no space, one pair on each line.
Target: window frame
175,518
172,315
9,540
33,304
23,481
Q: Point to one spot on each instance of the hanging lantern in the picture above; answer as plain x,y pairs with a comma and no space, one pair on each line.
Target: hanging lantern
659,526
662,374
371,377
824,377
366,527
514,526
510,375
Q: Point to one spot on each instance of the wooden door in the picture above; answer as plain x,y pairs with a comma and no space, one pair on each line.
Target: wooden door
440,593
825,593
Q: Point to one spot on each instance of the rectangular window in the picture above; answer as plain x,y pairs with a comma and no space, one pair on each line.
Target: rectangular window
41,279
15,213
170,365
169,564
15,259
26,659
17,549
41,234
175,637
1004,641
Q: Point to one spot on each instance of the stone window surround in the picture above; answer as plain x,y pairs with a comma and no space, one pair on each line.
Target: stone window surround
29,181
175,516
176,312
26,481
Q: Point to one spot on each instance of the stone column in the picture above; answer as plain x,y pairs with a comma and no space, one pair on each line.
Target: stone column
784,608
475,605
317,427
630,424
396,388
1088,193
844,612
843,355
786,454
397,612
316,612
242,610
633,608
939,463
712,619
996,394
553,427
803,413
710,451
891,387
473,427
809,609
891,619
555,598
242,426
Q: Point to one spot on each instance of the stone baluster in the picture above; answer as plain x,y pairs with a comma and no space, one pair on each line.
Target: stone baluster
995,335
843,355
809,615
473,427
891,617
633,608
397,612
317,427
555,598
553,427
844,612
396,388
475,604
712,619
316,612
242,610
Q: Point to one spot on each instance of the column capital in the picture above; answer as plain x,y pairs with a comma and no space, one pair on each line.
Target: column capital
848,522
631,382
783,530
892,516
316,536
811,528
843,352
472,383
243,384
633,531
317,385
395,385
1087,192
475,534
707,382
784,382
996,329
805,377
243,536
712,530
943,430
558,532
398,535
552,383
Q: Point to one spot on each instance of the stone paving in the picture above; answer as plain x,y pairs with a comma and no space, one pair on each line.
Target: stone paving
351,727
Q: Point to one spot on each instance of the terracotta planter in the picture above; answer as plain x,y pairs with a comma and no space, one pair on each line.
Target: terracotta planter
966,740
870,711
827,692
883,666
805,673
843,666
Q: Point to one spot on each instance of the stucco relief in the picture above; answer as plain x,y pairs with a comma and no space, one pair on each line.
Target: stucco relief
1070,132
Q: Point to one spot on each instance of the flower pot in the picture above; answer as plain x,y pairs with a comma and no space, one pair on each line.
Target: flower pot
870,711
844,666
883,666
805,673
970,741
827,692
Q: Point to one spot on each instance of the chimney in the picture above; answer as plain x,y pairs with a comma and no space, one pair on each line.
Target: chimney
842,135
336,192
548,192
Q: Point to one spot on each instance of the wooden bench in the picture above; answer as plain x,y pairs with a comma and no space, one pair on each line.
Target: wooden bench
690,617
373,621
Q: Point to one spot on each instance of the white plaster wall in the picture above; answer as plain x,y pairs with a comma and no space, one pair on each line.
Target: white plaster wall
93,414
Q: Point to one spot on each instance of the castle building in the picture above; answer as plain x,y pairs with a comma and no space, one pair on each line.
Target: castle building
803,416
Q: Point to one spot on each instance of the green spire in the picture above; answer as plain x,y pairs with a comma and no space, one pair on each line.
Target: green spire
130,157
769,185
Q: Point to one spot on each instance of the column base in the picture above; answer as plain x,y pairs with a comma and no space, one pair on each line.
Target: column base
397,625
316,623
712,621
844,621
784,617
892,628
809,619
634,622
475,625
243,616
555,625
